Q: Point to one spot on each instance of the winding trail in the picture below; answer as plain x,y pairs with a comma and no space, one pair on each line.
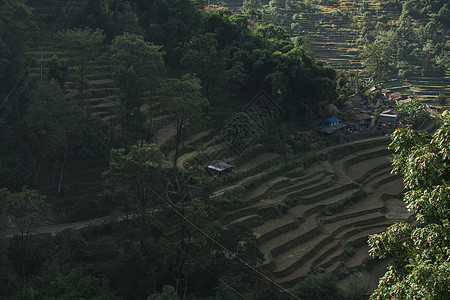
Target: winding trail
53,229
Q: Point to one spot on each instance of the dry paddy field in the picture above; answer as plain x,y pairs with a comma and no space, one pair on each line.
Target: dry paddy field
330,209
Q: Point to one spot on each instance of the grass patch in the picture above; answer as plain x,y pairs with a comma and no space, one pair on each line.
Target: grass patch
372,171
366,156
296,172
272,211
340,205
349,250
230,197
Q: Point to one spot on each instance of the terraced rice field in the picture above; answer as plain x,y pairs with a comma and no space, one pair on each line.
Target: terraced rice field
335,33
333,206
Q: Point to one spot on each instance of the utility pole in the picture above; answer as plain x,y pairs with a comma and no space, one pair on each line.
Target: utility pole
42,59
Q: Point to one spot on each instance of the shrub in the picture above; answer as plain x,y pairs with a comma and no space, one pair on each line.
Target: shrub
441,100
272,211
349,250
314,287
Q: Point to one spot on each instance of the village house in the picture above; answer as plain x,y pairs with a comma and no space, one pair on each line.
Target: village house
332,125
363,120
400,102
389,118
220,169
397,96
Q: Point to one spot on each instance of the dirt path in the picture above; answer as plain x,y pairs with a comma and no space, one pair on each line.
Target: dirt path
164,134
239,183
199,135
351,143
260,159
10,232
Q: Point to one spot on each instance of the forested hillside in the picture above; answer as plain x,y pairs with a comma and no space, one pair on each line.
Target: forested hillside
113,74
410,36
118,119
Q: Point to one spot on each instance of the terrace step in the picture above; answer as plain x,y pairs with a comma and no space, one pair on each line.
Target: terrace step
295,185
388,182
287,240
358,169
316,254
101,107
250,220
326,193
360,239
101,83
375,172
96,101
355,263
303,211
348,232
372,182
300,257
332,260
365,219
303,190
262,189
273,228
360,208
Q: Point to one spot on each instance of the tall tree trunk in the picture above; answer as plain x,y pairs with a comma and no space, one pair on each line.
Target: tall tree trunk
38,169
181,261
150,120
82,81
177,145
24,284
62,169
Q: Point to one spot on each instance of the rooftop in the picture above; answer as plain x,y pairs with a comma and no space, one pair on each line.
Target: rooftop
220,166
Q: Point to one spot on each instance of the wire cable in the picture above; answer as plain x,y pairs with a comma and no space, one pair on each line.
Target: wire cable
221,246
204,268
19,87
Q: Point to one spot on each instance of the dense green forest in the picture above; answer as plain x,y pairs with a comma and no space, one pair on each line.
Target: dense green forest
87,85
162,55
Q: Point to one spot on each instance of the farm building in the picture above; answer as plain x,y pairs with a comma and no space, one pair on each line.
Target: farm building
397,96
389,118
332,125
220,169
364,120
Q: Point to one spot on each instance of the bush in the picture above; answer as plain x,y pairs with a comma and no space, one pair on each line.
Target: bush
323,287
230,197
349,250
441,100
272,211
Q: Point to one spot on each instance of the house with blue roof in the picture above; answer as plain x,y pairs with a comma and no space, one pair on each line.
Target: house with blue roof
333,121
332,125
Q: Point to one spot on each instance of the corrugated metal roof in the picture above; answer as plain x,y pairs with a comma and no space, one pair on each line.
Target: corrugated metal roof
220,166
333,120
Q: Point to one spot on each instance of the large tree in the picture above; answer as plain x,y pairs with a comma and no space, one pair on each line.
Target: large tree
184,100
54,128
114,9
420,265
15,21
138,67
377,60
25,210
134,177
203,58
83,45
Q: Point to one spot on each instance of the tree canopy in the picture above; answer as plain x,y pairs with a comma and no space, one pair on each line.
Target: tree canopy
420,266
138,67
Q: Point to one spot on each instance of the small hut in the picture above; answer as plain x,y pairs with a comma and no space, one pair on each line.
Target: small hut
220,169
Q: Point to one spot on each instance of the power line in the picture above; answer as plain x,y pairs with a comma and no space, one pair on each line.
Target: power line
217,277
221,246
23,81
